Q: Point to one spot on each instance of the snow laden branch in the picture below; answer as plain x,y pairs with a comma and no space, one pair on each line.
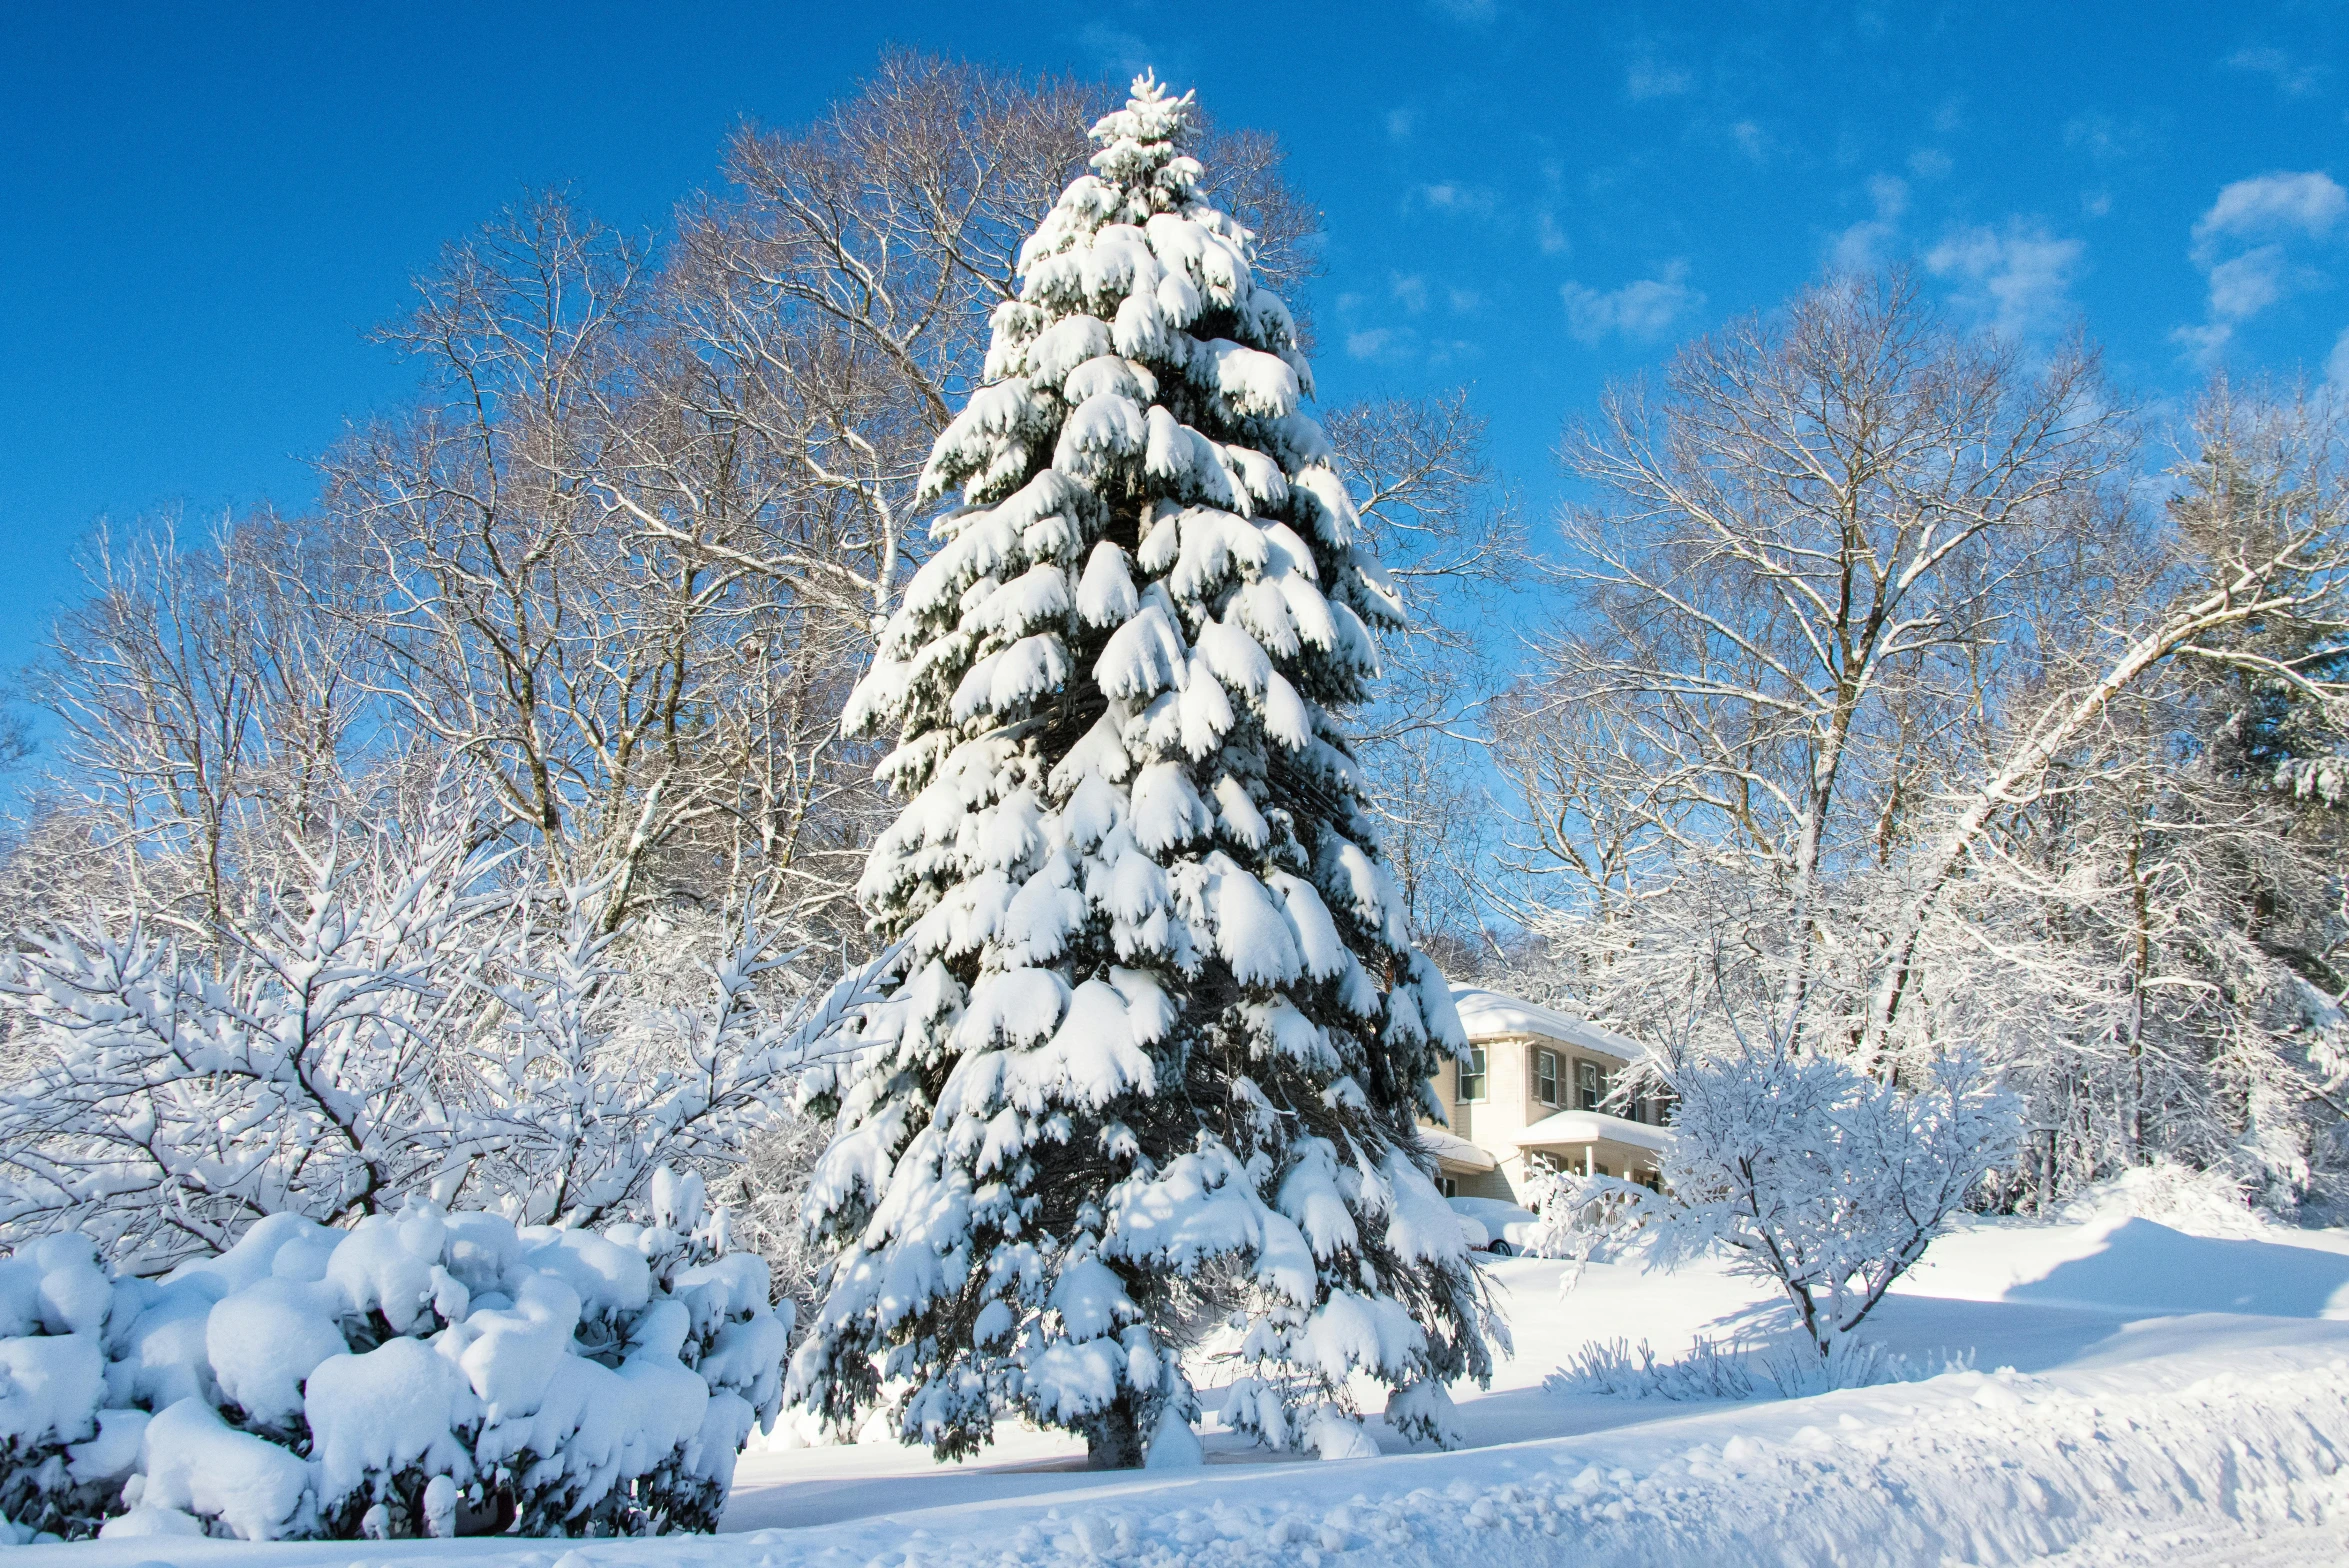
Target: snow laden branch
2297,577
585,1089
408,1012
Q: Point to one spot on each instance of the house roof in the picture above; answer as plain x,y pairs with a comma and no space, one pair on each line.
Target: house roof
1592,1127
1456,1150
1488,1015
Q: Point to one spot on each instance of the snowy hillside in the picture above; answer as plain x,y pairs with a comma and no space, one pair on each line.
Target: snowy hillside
2141,1395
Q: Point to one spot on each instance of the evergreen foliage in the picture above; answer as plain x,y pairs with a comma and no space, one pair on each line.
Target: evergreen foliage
1152,1067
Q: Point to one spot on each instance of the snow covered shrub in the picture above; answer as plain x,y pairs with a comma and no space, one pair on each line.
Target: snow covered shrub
418,1374
410,1006
1820,1179
2198,1202
1613,1368
1791,1368
1794,1368
58,1469
1159,1005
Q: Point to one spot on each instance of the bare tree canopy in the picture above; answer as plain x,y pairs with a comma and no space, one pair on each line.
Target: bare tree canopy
1869,629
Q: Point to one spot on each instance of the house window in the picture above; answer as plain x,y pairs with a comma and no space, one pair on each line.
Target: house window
1591,1085
1545,1076
1451,1185
1472,1074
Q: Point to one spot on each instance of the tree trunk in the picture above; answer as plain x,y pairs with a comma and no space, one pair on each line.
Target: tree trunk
1113,1439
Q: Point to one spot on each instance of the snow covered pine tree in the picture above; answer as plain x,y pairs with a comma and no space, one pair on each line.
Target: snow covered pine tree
1155,1061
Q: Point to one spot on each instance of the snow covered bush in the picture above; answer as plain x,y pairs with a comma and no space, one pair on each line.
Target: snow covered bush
2198,1202
1820,1179
1160,1033
1614,1368
1712,1370
418,1374
411,1006
58,1468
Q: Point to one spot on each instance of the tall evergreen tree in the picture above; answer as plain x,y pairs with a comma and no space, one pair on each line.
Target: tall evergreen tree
1161,1041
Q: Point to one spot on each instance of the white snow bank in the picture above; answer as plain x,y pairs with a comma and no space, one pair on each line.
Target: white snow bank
2139,1268
1497,1219
1987,1469
2200,1203
2124,1426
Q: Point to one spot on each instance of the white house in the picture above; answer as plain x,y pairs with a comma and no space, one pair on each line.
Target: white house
1528,1100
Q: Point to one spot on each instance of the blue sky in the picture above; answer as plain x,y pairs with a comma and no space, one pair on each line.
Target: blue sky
207,206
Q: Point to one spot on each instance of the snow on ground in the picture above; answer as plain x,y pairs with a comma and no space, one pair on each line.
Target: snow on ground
2139,1395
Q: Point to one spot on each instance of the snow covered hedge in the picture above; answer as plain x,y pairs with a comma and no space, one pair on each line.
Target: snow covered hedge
423,1373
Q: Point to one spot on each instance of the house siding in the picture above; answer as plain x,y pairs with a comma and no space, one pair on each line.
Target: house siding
1512,1102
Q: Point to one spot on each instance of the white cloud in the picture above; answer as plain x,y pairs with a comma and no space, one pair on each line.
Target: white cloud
1930,163
2291,79
2309,203
2017,279
2202,344
1115,47
2245,247
1408,346
1862,248
2104,139
1400,122
1651,78
1751,140
1641,310
1866,245
1549,236
2243,286
1451,196
1409,291
2337,362
1463,301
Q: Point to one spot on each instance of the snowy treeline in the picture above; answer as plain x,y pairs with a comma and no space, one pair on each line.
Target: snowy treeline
484,835
1904,704
611,576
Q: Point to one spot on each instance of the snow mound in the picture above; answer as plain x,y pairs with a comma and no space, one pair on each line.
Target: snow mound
2199,1203
2146,1268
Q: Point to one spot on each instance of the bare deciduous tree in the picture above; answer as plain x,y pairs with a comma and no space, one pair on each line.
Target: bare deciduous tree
1887,720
